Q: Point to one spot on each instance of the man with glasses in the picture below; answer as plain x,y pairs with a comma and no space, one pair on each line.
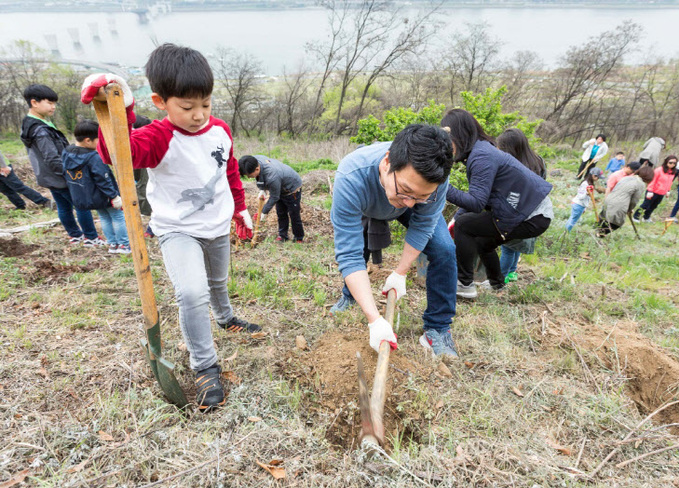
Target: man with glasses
404,180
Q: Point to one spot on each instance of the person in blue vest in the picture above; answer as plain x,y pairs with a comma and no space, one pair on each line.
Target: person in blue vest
505,201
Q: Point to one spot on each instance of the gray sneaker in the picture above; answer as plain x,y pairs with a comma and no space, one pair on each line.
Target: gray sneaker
342,305
440,342
466,291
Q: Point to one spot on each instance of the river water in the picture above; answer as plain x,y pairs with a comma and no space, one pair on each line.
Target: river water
277,37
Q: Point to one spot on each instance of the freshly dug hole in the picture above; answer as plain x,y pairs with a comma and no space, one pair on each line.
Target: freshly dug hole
330,370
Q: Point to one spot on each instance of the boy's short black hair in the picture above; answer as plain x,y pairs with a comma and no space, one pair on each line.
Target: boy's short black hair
39,93
86,129
247,165
176,71
634,165
426,148
619,152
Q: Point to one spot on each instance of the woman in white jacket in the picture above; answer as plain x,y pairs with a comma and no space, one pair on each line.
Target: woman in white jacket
595,149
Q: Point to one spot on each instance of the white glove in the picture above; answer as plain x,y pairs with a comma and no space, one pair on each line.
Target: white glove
649,195
262,218
94,82
117,203
397,282
247,220
262,195
380,330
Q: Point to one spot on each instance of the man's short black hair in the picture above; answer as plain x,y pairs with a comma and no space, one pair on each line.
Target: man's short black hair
426,148
86,129
464,131
39,93
247,165
176,71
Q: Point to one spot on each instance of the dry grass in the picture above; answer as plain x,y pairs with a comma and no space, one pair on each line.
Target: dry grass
533,402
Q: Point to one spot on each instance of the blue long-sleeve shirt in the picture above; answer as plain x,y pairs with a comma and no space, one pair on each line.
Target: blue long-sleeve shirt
614,165
358,192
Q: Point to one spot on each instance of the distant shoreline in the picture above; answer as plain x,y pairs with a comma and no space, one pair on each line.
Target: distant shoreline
245,7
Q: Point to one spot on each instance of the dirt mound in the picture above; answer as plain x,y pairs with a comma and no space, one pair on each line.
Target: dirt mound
330,370
653,375
13,247
48,270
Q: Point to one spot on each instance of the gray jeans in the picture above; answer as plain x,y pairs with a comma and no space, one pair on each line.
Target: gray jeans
199,270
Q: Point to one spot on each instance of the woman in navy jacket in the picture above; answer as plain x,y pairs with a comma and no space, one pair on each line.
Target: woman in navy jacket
505,201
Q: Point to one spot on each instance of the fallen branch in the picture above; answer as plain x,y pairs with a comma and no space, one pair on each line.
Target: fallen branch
24,228
631,432
639,458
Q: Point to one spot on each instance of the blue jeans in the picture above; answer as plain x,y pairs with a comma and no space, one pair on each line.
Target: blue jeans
676,207
199,270
576,213
441,281
65,211
12,187
113,226
509,259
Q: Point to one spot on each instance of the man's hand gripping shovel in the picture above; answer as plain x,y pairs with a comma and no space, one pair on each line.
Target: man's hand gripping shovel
113,123
372,407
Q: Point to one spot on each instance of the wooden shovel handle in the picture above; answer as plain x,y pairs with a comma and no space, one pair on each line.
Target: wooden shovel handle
379,393
596,214
255,234
113,123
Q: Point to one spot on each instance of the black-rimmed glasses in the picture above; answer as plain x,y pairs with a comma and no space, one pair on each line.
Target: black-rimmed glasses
421,201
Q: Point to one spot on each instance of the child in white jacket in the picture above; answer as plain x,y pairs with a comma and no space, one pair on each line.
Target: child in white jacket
581,201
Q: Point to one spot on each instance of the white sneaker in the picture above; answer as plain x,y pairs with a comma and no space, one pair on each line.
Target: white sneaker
466,291
635,220
485,285
647,221
113,249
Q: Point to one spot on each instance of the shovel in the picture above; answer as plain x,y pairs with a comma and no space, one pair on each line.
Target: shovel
596,214
255,234
372,414
631,221
113,122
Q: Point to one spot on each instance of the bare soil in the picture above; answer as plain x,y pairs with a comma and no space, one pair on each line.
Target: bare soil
14,247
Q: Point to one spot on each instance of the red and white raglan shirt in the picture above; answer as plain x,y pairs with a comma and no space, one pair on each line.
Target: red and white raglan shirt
194,185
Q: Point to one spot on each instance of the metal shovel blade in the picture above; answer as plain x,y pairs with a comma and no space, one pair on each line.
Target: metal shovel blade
113,123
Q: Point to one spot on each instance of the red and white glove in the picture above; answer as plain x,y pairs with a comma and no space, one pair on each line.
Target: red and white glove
262,195
396,282
117,203
451,228
94,82
380,330
243,224
649,195
590,189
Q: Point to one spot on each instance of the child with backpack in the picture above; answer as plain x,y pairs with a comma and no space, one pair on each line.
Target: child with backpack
93,187
582,199
195,190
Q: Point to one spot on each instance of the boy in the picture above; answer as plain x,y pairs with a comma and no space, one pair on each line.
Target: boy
616,163
45,143
93,187
404,180
194,189
629,169
285,192
12,187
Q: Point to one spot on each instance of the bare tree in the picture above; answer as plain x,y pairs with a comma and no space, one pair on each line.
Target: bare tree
516,75
238,72
584,69
295,110
469,58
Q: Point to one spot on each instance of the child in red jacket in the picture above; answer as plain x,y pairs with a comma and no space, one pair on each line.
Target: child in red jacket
658,188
